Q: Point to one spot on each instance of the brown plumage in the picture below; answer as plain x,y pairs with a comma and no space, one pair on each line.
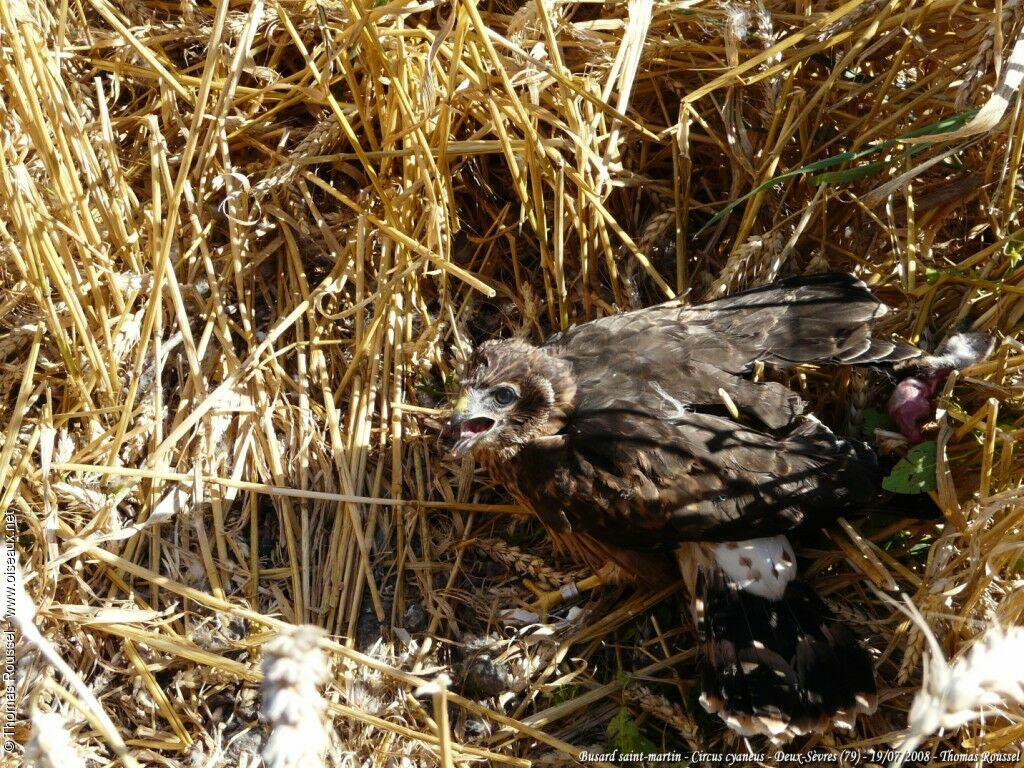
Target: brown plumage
617,434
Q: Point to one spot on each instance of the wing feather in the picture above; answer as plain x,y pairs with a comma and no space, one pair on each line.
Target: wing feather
651,455
645,483
810,319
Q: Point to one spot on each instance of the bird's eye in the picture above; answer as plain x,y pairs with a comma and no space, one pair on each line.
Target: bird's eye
504,395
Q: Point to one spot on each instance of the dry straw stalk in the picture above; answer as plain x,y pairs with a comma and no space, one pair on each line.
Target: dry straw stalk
244,247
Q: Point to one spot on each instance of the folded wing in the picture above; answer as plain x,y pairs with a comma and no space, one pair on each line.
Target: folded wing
652,454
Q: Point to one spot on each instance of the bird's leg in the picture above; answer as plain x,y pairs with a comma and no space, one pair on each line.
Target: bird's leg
550,599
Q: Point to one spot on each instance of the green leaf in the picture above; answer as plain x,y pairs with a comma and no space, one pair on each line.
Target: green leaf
624,734
850,174
920,548
1015,255
818,165
875,419
932,274
949,124
915,472
566,693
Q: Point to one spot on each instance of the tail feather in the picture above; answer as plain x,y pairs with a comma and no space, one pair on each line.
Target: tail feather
778,668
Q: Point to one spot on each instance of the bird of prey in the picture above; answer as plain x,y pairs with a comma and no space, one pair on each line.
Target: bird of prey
646,432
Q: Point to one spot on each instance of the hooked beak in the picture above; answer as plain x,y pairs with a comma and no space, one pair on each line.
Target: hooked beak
468,426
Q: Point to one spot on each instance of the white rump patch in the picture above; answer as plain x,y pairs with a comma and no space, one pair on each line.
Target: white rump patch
760,566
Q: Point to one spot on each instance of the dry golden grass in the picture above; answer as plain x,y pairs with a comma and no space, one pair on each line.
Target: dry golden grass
244,246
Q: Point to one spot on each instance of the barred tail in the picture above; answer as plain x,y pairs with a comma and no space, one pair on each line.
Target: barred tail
778,667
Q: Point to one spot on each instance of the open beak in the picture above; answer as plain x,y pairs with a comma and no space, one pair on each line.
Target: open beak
467,424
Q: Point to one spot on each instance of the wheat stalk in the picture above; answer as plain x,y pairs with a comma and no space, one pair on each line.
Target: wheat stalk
295,669
986,678
50,745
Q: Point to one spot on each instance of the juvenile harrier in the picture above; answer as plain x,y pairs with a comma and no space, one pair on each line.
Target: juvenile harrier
644,432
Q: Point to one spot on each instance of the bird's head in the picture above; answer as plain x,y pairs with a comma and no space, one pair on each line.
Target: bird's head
512,393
